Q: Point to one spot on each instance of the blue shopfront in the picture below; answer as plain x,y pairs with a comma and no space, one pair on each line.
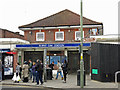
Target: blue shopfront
54,53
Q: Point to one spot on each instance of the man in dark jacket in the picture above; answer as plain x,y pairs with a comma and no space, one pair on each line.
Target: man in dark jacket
52,67
39,69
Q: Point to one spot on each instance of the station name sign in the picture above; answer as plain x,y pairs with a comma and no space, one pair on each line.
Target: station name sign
52,45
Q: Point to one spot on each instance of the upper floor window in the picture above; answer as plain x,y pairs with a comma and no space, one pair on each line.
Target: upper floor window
40,36
59,36
78,35
94,31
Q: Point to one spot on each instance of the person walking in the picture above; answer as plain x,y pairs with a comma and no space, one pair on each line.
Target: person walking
39,68
64,67
30,69
52,67
25,71
34,72
59,70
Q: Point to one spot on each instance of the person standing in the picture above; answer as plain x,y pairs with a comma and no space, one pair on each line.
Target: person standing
0,70
34,72
39,68
64,67
59,70
17,71
30,69
25,71
52,67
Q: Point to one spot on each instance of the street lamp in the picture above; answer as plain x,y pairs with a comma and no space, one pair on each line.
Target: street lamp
81,58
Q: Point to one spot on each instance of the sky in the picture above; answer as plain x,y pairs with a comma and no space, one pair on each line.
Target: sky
14,13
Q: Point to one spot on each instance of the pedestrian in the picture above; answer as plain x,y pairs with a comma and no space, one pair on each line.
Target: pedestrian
39,67
52,67
59,70
64,67
0,70
34,72
25,71
30,69
17,71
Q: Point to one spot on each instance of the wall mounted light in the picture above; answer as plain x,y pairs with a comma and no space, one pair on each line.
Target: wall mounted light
55,54
68,30
39,30
30,32
59,30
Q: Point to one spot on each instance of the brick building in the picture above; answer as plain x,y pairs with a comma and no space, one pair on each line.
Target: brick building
8,34
59,34
8,54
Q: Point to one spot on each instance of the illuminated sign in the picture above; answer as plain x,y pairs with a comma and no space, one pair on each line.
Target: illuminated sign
52,45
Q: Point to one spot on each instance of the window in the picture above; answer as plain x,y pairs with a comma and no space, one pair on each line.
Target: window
59,36
94,31
78,35
40,36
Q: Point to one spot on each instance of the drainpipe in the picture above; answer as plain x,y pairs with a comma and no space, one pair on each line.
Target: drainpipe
44,63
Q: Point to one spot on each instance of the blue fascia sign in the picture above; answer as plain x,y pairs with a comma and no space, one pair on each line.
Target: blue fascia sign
4,50
52,45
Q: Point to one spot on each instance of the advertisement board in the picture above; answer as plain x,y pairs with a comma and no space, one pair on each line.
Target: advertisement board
8,65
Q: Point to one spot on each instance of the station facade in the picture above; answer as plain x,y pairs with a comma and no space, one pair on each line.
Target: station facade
57,37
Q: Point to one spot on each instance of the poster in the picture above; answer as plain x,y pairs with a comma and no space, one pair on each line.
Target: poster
8,65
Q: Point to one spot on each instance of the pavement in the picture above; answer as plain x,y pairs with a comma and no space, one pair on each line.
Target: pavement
71,83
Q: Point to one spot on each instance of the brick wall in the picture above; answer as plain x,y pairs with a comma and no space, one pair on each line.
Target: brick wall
0,33
50,35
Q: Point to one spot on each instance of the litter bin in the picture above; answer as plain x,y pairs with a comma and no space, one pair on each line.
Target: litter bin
78,78
49,73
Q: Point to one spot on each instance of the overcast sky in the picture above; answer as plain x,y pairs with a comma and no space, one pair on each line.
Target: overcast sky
14,13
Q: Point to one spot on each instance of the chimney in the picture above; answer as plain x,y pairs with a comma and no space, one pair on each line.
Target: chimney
17,32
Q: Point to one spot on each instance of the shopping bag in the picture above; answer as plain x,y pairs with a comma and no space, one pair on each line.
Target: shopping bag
18,78
14,77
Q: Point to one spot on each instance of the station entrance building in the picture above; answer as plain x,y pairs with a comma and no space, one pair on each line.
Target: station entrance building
57,37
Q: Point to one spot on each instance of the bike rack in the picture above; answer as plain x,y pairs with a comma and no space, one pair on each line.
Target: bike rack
116,76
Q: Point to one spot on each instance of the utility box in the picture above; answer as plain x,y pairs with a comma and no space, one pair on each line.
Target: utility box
49,73
105,61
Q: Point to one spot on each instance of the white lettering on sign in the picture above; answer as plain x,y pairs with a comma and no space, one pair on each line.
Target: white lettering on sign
59,45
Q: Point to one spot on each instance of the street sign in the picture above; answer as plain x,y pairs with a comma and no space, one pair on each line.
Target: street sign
94,71
52,45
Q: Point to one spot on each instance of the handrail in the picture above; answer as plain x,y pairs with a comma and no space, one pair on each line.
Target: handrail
116,76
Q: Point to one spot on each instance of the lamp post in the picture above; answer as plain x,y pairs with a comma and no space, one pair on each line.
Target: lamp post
81,60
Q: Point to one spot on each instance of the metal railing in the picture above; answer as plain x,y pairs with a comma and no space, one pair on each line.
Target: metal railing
116,76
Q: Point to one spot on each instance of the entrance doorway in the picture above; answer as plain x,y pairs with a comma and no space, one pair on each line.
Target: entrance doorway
33,55
74,61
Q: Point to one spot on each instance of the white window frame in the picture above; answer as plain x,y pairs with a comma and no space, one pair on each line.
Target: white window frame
94,30
40,39
78,38
56,39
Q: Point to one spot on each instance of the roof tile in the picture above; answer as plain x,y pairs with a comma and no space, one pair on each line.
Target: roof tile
63,18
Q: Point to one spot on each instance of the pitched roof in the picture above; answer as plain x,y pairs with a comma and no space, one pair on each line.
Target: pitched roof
63,18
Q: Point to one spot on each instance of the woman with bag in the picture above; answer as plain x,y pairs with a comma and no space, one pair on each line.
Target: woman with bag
17,73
